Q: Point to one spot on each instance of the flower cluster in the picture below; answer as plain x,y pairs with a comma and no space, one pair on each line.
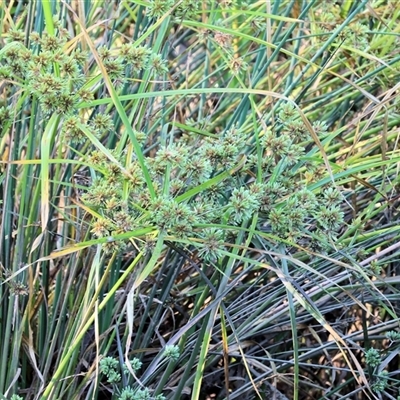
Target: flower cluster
183,9
213,244
184,170
393,336
372,357
56,77
109,367
242,204
357,36
286,207
290,209
128,393
6,115
168,215
16,397
381,382
171,352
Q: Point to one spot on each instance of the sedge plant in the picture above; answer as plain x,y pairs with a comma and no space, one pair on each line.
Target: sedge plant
199,199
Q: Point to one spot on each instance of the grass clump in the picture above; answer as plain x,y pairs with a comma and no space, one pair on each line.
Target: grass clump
199,200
